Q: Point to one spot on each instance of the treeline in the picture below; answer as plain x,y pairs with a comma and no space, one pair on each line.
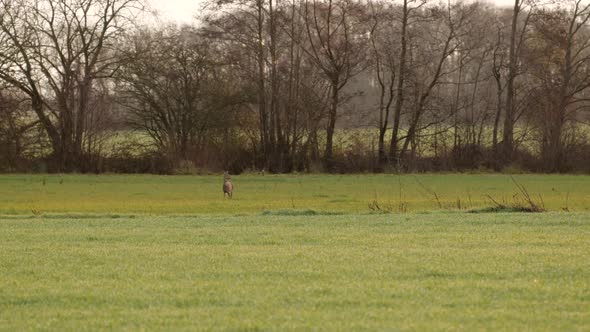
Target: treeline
335,85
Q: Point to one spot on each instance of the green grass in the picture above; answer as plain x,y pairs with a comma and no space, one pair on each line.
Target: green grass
182,195
292,252
436,271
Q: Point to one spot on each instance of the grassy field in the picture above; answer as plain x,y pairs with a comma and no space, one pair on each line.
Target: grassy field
298,252
436,271
181,195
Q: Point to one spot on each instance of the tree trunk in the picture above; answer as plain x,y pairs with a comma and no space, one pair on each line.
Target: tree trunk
385,118
264,138
58,153
332,115
553,147
554,153
497,117
508,133
393,148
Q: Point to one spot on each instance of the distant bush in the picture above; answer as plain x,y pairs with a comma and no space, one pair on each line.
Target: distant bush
357,156
513,169
186,167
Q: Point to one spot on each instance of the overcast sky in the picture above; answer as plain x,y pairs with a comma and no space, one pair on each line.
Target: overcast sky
184,10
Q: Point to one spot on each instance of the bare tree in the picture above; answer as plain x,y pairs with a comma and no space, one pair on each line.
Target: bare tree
499,60
174,92
384,63
563,43
408,7
336,48
17,130
454,21
54,51
516,40
270,84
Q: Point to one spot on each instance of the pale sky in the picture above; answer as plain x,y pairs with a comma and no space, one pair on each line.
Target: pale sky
184,10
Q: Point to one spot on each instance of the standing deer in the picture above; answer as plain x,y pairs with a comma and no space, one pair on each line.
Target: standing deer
228,186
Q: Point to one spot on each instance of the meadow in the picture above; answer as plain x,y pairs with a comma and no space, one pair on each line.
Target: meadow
293,253
256,194
414,272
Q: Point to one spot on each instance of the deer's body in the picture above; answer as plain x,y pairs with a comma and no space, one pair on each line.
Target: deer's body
228,186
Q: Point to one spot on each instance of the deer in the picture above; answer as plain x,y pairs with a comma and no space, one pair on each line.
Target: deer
228,186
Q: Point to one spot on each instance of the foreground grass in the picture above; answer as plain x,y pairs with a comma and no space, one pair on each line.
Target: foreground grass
158,195
388,272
